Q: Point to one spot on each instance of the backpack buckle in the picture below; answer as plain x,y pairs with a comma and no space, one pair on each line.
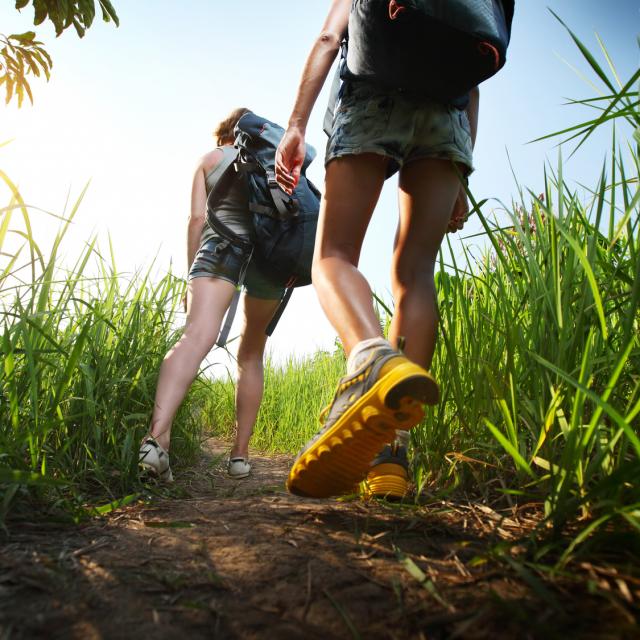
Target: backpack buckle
272,182
286,206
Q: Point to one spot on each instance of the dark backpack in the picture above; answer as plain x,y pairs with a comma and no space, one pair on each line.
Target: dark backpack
435,48
284,226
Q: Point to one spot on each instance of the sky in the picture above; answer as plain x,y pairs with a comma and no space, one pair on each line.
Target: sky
131,110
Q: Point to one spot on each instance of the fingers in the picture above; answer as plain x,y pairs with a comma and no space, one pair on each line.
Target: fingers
287,173
289,159
455,225
284,178
459,213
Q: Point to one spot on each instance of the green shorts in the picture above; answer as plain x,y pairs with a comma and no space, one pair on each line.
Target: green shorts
220,258
402,128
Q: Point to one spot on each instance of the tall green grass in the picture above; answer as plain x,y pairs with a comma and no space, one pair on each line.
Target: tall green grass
539,358
80,350
539,355
295,391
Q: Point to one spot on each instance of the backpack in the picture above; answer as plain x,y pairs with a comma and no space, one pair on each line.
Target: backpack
284,226
434,48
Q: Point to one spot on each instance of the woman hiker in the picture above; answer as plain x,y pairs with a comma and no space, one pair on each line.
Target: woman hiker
215,268
376,133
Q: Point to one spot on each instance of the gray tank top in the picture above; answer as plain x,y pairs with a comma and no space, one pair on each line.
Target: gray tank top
233,206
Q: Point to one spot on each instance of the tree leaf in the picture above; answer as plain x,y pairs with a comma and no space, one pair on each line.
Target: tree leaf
40,12
9,95
27,88
78,27
24,38
108,12
88,11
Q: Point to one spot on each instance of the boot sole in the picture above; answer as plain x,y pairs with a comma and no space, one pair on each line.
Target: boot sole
152,472
339,459
386,480
239,477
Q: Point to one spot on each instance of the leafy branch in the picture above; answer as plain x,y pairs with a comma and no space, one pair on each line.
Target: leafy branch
22,55
66,13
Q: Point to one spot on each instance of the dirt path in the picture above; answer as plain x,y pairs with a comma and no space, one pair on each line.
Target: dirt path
243,559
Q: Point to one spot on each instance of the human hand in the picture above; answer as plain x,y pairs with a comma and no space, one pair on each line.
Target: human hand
289,158
459,213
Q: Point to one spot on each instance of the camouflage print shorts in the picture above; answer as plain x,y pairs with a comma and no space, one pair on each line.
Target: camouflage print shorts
369,120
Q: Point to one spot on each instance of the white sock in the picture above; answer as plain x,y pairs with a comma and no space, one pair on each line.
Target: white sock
402,438
360,352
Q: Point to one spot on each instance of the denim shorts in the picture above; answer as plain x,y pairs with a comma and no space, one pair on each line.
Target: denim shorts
219,258
400,127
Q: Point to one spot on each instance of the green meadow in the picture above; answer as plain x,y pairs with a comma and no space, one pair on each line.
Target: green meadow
538,359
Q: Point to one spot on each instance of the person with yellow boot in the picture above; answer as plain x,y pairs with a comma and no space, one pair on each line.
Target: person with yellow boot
407,103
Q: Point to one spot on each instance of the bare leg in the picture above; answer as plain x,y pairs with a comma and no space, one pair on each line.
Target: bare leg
427,192
209,298
352,189
428,189
250,382
336,459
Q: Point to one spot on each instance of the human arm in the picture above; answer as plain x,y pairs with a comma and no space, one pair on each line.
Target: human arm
473,109
461,206
291,150
197,214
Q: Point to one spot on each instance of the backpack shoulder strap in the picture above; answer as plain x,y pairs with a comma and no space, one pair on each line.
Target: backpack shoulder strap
279,311
221,174
231,314
334,92
229,155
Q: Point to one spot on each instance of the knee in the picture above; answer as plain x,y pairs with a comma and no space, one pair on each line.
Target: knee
199,338
250,363
413,277
250,357
331,253
328,265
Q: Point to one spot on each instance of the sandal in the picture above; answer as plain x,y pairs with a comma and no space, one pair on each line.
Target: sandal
155,459
238,467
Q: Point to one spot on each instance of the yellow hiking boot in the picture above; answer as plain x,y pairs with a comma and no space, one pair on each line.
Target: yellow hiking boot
386,393
388,475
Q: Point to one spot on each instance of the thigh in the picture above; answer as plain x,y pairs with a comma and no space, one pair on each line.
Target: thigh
207,301
260,286
427,192
257,315
352,188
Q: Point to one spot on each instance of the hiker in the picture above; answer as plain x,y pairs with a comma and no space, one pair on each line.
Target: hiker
375,132
216,267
